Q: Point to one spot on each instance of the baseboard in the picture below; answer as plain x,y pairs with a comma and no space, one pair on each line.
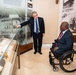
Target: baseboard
46,45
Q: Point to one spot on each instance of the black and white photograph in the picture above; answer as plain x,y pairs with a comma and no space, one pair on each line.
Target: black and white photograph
12,13
68,3
68,13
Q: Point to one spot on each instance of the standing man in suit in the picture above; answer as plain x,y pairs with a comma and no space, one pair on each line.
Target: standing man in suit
64,41
37,30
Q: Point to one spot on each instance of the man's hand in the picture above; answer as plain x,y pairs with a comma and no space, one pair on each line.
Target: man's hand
55,48
17,26
43,34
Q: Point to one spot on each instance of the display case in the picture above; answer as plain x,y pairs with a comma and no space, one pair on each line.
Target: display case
13,40
14,12
27,44
9,47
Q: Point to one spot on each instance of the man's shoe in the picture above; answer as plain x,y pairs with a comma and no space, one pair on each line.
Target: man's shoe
40,52
35,52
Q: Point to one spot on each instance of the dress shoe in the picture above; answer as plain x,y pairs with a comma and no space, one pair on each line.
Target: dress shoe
40,52
35,52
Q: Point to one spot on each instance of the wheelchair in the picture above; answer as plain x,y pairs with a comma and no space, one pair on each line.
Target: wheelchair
67,61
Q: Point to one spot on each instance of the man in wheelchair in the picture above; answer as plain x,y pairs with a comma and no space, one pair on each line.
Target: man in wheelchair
63,43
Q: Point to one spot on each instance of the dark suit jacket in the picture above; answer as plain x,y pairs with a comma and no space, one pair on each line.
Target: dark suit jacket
65,43
31,23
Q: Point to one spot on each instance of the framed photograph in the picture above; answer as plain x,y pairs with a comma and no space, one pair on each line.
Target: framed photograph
69,13
30,5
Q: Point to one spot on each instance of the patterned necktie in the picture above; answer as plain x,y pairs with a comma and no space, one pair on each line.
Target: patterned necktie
36,27
60,35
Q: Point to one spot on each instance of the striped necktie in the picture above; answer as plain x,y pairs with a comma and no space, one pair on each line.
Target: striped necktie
60,35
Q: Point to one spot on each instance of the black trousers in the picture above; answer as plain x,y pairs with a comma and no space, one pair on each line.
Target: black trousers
37,39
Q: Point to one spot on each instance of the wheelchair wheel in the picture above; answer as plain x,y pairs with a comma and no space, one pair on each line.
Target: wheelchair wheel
68,61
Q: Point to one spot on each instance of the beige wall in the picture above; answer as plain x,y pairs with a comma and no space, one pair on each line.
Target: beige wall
50,12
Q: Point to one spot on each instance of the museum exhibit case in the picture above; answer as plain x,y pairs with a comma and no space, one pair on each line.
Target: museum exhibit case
14,12
27,44
14,41
9,47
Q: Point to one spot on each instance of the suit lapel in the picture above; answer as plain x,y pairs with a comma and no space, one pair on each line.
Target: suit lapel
33,23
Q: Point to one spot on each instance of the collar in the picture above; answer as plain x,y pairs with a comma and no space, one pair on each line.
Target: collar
64,31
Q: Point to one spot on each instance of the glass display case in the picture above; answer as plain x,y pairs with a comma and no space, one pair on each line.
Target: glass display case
9,46
14,12
26,43
13,40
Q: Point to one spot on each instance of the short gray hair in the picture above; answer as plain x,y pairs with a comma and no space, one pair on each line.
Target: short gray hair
34,12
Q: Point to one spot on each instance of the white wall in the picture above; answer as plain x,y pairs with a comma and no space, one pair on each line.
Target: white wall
50,12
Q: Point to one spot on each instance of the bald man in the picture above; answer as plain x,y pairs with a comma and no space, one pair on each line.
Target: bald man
64,41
